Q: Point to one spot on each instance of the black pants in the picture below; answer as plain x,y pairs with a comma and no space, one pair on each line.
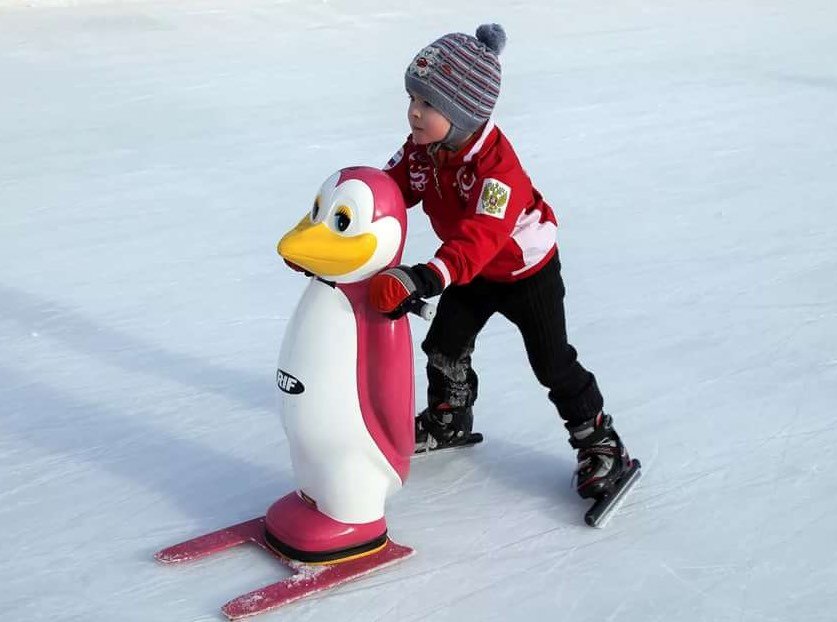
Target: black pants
536,306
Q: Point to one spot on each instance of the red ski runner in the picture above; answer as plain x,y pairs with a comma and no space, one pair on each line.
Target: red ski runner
307,579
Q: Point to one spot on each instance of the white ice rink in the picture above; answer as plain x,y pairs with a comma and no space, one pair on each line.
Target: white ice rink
151,155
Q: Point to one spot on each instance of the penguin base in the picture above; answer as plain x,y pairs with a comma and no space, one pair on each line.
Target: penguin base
297,530
316,558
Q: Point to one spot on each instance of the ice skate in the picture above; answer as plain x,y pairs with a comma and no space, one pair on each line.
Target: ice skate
605,471
444,427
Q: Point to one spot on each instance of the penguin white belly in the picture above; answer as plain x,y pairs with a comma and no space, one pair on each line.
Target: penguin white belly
336,461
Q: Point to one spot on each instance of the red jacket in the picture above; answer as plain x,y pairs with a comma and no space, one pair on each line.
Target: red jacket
481,204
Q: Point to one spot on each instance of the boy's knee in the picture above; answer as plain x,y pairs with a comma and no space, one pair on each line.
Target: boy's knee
437,344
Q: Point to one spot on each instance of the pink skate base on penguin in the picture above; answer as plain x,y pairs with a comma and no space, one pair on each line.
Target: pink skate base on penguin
307,579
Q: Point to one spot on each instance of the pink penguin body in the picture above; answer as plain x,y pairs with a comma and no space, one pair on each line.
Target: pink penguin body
345,372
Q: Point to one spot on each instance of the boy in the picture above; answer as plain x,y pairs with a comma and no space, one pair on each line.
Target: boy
498,254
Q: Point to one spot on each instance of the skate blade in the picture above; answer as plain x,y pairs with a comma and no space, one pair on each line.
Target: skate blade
474,439
603,510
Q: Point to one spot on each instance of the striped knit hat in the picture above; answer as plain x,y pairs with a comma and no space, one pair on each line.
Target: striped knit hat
460,76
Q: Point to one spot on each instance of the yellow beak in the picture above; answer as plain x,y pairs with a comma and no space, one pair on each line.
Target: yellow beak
318,249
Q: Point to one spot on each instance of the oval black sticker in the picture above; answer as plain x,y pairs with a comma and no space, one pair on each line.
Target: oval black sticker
287,383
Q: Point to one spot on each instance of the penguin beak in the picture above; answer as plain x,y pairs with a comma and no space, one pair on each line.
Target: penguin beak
320,250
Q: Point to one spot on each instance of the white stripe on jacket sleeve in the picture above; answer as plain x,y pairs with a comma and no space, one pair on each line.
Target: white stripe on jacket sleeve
440,265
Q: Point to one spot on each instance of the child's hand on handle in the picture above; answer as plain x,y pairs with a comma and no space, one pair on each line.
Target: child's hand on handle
425,310
394,291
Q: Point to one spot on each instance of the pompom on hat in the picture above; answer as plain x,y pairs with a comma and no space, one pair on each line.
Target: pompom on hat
460,76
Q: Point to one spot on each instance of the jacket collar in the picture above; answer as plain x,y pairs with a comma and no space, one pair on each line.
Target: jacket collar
469,151
475,148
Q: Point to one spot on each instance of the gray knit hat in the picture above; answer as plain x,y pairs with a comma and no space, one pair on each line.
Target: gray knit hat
460,76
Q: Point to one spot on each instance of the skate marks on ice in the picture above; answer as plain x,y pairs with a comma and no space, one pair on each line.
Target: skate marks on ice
490,573
529,475
89,337
147,451
81,422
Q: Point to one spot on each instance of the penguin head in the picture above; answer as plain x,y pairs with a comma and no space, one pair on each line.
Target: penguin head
355,228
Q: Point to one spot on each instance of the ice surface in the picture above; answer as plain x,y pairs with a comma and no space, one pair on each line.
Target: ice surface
151,155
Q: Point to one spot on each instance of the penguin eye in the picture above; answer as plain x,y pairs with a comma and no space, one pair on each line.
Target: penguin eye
342,220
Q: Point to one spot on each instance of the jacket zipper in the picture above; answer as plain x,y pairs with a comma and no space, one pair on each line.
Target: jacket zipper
435,172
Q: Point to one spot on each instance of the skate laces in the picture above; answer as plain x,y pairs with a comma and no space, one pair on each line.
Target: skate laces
600,452
598,447
422,436
427,441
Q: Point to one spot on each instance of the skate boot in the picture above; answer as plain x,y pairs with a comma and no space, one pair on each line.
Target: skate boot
602,458
605,472
443,427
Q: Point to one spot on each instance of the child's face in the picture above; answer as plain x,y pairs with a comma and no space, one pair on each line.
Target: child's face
427,124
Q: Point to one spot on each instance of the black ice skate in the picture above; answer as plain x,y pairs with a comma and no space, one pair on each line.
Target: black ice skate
444,427
605,470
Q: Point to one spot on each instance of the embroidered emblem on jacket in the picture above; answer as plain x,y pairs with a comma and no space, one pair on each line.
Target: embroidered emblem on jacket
494,198
395,159
465,180
419,169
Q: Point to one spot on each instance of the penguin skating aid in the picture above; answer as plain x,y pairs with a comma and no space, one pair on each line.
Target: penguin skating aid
350,437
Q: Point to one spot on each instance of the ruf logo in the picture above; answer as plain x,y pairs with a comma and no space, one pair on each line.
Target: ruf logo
287,383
